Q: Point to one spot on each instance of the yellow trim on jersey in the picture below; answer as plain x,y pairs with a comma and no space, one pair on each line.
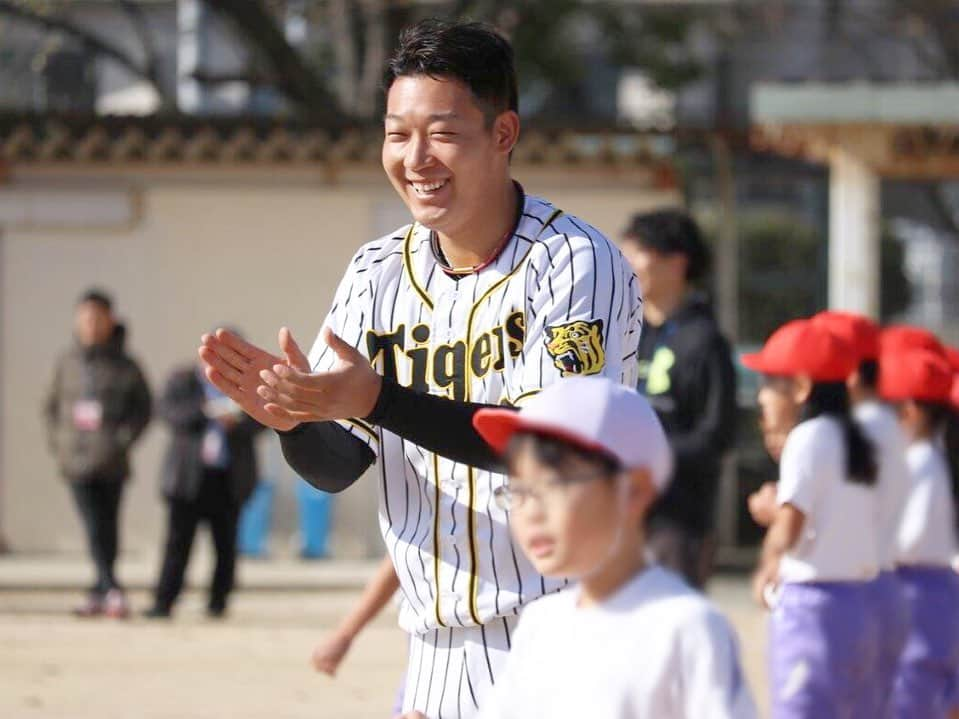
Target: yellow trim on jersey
474,561
408,264
471,521
436,538
525,395
474,577
556,213
363,427
472,314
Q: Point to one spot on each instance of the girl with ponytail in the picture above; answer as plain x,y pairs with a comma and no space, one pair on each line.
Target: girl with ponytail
920,381
820,553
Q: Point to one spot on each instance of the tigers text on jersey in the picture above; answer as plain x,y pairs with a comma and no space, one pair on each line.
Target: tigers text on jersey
560,300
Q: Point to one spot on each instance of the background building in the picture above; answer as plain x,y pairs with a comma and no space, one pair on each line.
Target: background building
217,161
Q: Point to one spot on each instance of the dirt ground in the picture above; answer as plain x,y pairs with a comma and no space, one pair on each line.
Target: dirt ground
251,666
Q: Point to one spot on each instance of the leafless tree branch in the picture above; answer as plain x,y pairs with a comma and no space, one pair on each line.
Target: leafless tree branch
301,84
85,37
134,12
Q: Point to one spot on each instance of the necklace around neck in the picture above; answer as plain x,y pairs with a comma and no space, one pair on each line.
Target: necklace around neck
469,269
493,256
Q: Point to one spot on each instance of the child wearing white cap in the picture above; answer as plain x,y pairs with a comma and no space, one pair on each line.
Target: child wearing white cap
587,458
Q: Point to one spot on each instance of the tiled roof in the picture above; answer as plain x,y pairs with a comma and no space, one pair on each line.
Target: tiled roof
172,140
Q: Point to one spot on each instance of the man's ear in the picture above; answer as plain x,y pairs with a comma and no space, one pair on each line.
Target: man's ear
506,131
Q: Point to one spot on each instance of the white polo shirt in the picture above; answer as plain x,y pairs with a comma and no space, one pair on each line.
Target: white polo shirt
880,425
656,649
927,534
838,538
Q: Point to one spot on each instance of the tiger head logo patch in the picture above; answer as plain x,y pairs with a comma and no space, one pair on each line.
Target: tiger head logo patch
576,347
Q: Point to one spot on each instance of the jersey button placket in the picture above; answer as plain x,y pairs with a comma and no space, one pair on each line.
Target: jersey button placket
442,548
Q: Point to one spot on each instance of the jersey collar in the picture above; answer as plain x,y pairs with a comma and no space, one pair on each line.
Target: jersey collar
533,222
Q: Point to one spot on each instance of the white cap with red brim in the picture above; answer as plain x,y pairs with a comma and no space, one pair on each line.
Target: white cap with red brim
593,413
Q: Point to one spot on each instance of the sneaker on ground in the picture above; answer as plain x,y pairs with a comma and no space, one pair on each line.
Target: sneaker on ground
157,613
115,605
92,607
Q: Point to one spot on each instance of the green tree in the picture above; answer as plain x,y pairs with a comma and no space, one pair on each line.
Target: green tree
783,268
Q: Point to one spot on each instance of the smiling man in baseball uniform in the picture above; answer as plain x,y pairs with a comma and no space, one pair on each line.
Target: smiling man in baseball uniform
488,296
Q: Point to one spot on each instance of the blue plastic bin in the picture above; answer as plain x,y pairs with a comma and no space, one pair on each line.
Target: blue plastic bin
314,508
254,528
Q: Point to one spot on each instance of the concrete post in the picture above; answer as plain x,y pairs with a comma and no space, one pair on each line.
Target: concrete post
853,234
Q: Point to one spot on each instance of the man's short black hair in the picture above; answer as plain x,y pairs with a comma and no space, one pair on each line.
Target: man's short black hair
97,297
473,53
671,232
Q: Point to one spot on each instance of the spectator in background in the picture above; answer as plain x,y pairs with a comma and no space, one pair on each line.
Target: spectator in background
97,407
209,472
686,371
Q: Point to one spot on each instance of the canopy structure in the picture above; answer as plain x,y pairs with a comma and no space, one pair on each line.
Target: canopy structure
864,132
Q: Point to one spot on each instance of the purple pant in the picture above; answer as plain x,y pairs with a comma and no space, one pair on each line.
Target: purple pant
824,651
892,612
929,663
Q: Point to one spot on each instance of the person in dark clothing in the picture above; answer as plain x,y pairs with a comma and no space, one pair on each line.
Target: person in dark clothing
209,471
97,407
686,371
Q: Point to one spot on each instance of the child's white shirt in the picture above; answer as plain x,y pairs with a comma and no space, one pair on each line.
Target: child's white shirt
880,425
656,649
838,539
927,534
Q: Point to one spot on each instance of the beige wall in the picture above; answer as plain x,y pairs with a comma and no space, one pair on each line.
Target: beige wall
252,248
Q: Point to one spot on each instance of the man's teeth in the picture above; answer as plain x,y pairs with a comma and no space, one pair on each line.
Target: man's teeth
423,187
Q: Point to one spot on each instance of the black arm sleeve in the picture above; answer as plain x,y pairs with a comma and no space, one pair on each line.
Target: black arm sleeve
326,455
434,423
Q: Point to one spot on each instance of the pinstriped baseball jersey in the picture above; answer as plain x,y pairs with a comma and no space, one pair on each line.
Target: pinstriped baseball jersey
559,300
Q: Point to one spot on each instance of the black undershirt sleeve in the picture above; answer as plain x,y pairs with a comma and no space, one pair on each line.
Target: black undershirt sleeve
326,455
434,423
330,458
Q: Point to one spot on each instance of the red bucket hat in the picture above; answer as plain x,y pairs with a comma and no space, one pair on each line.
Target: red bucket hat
920,374
952,354
899,338
860,332
804,347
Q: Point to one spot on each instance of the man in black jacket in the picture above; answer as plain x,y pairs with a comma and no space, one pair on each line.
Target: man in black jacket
209,471
97,407
687,373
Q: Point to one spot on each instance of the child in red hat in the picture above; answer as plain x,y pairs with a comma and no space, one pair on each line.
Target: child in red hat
880,424
920,382
820,552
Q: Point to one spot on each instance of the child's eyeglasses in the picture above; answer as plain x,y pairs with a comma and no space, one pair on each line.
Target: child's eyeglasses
510,496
